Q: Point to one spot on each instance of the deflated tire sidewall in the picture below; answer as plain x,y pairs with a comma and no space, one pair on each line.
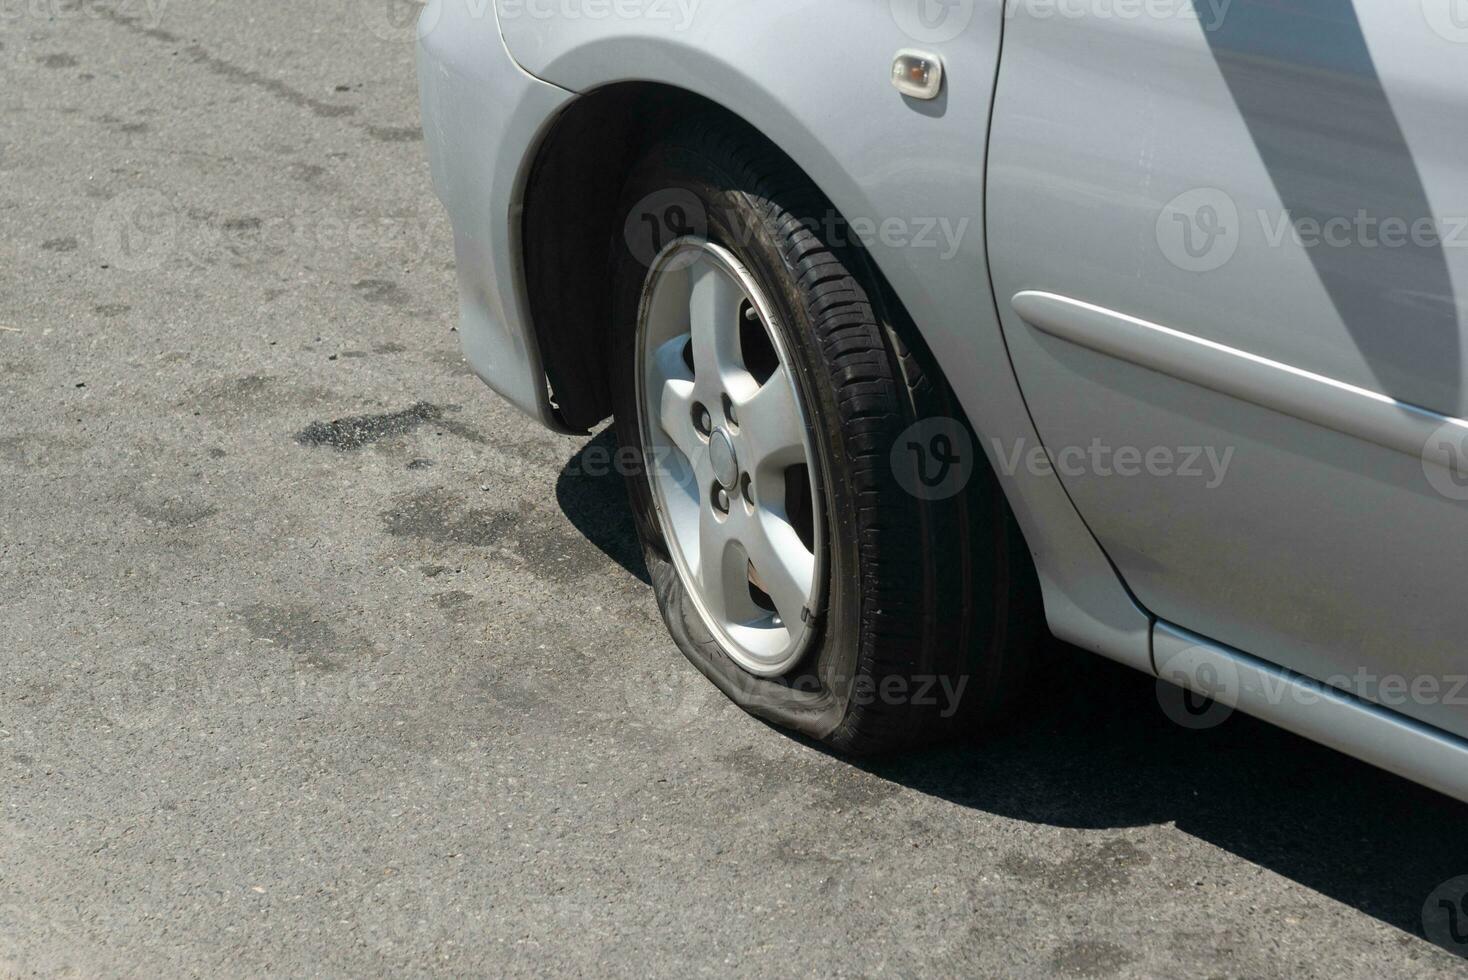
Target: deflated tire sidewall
813,696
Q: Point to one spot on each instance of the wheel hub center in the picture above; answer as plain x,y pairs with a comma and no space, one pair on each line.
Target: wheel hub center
723,460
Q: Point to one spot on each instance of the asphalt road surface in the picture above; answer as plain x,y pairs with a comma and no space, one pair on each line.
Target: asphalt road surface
318,659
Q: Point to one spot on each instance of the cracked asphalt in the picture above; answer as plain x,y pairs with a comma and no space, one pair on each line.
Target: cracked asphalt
320,660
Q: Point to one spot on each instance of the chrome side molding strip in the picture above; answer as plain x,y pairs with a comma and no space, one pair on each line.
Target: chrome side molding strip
1314,398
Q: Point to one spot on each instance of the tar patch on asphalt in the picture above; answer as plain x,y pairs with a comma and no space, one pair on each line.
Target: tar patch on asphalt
356,431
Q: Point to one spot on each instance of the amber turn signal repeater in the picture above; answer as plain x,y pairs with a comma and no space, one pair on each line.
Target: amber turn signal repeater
917,74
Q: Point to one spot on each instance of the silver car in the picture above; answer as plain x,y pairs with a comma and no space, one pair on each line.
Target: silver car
929,324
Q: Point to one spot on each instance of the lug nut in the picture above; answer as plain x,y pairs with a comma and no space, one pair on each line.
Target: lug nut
721,500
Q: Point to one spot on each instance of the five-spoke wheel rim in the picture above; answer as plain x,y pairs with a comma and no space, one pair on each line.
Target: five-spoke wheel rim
728,455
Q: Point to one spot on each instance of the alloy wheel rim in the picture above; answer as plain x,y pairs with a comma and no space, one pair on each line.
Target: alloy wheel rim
728,455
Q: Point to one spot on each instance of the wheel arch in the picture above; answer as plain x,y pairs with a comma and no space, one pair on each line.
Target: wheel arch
569,220
568,226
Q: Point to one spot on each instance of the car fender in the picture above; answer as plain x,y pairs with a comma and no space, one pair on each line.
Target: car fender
907,175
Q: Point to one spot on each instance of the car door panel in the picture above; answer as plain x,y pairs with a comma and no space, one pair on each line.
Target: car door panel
1186,173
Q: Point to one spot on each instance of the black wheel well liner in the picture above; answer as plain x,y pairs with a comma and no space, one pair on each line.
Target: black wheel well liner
568,226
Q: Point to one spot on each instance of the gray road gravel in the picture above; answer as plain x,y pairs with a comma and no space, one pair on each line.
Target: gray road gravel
320,660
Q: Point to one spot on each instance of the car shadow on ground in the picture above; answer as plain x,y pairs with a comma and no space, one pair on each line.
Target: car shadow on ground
1094,750
593,496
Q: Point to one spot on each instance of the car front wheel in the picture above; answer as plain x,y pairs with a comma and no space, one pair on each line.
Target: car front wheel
809,570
